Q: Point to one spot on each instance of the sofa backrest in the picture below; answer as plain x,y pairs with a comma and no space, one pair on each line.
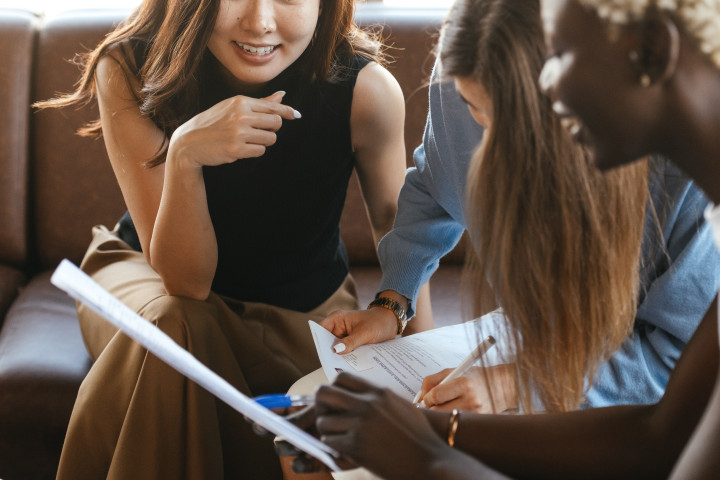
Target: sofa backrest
71,183
17,42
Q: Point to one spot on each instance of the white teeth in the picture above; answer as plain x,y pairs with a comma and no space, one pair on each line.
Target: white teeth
255,50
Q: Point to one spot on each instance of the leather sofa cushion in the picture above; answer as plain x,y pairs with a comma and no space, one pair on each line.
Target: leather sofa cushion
42,359
10,282
74,186
17,39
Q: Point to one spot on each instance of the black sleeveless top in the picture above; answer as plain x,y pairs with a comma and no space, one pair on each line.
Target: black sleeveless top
276,217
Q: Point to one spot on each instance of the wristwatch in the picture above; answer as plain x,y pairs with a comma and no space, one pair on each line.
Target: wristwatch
393,306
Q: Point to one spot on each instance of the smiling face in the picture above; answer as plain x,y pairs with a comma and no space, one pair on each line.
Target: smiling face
594,84
255,40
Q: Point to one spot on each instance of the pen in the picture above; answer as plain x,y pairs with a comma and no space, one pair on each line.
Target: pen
472,357
279,400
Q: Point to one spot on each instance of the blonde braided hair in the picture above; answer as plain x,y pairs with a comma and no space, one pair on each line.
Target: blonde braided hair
700,18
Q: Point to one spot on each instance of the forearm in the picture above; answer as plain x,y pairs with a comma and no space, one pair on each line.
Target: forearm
423,232
568,446
423,318
615,442
455,465
700,460
643,441
183,248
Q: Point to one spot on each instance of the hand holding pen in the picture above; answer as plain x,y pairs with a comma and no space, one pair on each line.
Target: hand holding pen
291,407
451,389
298,409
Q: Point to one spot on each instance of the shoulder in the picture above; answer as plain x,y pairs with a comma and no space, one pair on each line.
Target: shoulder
672,190
374,78
377,97
116,74
451,134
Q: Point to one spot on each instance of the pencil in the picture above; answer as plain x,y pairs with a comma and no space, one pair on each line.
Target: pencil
468,362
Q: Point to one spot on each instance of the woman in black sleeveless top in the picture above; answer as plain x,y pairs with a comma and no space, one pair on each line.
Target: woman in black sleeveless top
232,128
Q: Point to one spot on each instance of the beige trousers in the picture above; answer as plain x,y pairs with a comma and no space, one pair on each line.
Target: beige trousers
137,418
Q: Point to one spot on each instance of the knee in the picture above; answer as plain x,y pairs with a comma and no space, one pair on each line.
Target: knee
182,318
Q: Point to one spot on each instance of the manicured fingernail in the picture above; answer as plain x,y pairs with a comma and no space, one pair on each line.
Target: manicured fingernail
281,92
339,347
297,114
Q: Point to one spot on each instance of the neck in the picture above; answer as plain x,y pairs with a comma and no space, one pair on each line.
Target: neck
692,136
228,81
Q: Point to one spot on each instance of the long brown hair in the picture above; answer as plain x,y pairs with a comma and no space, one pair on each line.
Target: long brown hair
177,33
555,242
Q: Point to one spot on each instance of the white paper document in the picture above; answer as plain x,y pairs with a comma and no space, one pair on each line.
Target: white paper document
82,288
402,363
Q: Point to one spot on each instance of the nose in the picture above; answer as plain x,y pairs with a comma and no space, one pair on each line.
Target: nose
549,75
258,17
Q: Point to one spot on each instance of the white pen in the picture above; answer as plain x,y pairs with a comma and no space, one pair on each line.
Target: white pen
468,362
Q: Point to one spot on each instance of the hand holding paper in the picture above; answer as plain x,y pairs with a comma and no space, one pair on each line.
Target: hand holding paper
401,364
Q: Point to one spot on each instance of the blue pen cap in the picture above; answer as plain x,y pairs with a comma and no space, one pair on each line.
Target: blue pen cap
279,400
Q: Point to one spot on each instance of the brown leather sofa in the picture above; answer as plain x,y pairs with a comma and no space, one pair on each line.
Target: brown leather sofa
54,186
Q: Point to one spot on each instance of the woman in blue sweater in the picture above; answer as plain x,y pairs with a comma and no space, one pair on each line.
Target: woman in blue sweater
630,77
678,278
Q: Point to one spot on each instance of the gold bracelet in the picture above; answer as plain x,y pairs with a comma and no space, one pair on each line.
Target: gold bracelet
452,430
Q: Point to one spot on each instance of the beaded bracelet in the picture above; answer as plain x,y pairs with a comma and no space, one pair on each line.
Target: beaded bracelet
453,426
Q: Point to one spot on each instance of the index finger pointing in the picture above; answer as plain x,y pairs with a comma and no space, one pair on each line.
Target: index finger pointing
285,111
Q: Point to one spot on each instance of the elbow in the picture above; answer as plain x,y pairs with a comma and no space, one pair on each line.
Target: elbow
187,290
184,279
193,285
663,439
383,223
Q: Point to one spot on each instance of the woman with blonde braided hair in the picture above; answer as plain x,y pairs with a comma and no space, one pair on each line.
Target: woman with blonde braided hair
665,55
630,78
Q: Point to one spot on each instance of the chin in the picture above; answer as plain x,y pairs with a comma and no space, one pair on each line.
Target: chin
605,155
604,160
